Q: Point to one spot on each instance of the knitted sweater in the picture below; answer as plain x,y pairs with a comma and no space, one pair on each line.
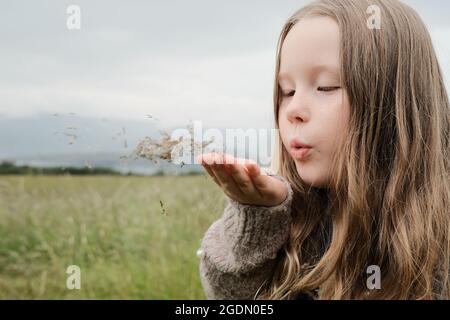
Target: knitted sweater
238,251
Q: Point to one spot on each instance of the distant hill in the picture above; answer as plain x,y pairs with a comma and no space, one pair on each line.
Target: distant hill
107,160
64,133
69,140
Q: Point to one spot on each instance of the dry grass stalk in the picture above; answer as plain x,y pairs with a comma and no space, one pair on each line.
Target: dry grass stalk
165,147
163,209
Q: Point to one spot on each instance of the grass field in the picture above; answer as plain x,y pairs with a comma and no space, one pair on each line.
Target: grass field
114,228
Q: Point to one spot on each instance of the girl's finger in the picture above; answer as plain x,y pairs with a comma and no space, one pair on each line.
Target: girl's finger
207,160
237,169
241,177
252,169
227,182
259,181
229,159
225,179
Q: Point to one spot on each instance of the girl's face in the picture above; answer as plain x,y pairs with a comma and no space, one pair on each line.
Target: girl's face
314,108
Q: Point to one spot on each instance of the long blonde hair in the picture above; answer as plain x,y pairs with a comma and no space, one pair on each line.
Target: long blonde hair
389,196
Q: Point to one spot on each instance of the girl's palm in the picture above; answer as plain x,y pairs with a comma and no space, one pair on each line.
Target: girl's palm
242,180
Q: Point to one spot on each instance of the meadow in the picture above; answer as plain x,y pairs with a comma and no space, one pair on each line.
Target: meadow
132,237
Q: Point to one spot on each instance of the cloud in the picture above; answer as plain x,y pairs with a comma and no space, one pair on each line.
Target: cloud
434,13
214,90
199,60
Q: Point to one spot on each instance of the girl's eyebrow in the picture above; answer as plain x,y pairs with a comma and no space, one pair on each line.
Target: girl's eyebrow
314,70
333,70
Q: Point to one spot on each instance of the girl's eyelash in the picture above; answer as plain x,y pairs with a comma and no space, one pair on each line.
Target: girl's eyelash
289,94
327,89
324,89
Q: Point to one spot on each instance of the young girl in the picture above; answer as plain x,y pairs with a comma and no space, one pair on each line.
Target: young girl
362,180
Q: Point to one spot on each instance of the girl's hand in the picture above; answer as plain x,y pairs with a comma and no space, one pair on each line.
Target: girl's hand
242,181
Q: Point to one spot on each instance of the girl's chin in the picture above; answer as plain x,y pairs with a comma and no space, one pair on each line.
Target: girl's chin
310,178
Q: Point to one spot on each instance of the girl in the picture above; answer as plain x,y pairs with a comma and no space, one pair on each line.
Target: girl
362,180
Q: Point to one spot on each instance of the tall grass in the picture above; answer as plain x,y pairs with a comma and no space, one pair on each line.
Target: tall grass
112,227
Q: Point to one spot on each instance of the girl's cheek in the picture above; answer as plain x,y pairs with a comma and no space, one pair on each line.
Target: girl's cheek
283,132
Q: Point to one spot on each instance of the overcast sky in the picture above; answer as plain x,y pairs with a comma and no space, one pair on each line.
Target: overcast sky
178,60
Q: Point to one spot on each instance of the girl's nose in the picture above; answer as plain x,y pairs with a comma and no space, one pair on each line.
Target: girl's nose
297,111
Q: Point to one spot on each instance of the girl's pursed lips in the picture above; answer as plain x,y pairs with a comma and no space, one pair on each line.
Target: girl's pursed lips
299,150
296,143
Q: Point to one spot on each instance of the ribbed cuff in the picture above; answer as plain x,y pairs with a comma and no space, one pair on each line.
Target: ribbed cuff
256,232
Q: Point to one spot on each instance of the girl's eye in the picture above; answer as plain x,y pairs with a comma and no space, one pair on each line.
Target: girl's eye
288,94
327,89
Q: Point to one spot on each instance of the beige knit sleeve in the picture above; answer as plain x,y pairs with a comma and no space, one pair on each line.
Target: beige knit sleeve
238,250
